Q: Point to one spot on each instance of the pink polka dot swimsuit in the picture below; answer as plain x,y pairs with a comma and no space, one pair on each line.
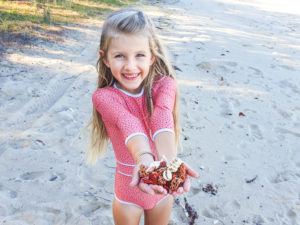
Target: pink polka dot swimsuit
124,116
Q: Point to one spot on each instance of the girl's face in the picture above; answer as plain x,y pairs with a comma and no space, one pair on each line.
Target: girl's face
129,59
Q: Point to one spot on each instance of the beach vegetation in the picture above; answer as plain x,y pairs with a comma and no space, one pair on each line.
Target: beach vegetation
33,17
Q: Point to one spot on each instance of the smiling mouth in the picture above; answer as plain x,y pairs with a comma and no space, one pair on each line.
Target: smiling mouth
130,76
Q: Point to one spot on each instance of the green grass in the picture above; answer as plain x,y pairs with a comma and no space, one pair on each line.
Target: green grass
22,16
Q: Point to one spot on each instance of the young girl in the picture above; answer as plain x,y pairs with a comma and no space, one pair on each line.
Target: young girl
135,106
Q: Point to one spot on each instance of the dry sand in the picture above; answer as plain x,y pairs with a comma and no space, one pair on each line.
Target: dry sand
238,67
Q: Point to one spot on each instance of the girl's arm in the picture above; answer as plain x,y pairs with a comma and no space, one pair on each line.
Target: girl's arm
162,125
140,150
165,145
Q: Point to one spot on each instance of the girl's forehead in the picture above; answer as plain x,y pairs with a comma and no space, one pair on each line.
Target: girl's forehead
129,41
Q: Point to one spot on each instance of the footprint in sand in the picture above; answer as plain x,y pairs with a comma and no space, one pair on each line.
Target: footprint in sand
31,175
195,190
258,220
235,102
255,131
184,102
229,158
283,131
292,214
255,72
285,114
232,64
286,67
226,108
206,66
235,204
284,176
92,207
214,212
292,86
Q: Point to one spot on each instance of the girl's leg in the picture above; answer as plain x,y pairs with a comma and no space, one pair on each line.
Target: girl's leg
160,214
126,214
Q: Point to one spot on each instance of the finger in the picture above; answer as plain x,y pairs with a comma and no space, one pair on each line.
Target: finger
179,191
158,189
190,171
146,188
150,169
135,177
187,184
174,194
134,182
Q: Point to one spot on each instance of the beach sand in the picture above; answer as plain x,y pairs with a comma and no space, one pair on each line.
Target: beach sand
238,67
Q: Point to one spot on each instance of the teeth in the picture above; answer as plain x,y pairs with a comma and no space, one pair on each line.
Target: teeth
131,75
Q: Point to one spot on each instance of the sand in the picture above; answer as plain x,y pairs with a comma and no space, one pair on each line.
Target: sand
238,66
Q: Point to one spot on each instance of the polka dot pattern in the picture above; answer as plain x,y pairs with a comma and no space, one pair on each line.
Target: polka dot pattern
124,115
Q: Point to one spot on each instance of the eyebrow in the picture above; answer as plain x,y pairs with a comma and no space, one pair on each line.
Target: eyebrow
138,52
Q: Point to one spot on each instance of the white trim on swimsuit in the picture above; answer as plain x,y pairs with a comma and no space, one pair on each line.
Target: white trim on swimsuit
125,174
130,203
162,130
134,134
128,93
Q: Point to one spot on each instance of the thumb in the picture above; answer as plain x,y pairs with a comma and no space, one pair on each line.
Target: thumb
135,177
190,171
134,181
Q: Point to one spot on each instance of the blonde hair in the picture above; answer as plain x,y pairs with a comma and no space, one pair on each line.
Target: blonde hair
128,21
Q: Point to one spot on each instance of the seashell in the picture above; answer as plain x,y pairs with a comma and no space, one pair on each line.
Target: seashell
174,164
176,161
155,164
167,175
172,168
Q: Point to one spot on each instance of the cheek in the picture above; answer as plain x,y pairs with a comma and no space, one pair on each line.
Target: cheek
116,65
146,64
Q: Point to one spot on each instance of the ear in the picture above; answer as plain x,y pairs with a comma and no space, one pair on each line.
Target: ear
102,55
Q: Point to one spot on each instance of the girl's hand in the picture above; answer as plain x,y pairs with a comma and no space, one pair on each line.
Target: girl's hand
152,189
147,188
187,183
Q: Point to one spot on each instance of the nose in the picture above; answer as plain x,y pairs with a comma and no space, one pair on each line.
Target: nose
130,64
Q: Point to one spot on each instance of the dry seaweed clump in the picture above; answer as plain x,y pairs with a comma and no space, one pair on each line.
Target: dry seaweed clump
210,188
169,175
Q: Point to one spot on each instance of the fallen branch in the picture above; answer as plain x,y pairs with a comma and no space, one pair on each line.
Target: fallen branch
251,180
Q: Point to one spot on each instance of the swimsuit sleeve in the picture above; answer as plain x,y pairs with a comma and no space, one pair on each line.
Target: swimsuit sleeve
114,111
163,102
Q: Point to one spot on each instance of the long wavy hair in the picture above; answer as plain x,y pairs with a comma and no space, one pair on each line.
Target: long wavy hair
128,21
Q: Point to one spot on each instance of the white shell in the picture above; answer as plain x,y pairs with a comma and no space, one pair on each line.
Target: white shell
155,164
174,164
167,175
172,168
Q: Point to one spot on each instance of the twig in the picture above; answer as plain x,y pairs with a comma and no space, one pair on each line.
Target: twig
251,180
